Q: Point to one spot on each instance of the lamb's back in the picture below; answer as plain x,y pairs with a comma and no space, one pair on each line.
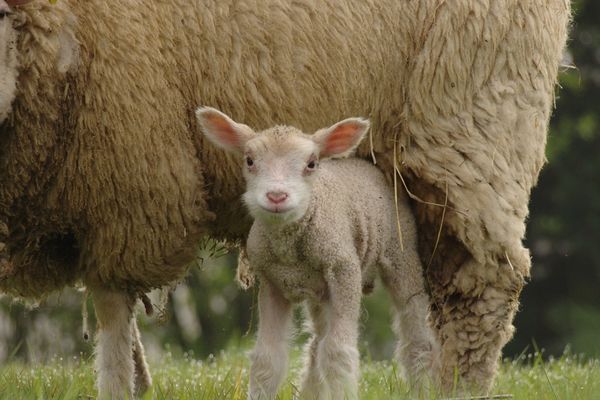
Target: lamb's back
354,214
353,186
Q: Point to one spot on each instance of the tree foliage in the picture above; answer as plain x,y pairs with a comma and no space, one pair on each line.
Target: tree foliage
561,304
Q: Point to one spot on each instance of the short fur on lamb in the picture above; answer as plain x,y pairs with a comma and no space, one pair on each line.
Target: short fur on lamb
323,231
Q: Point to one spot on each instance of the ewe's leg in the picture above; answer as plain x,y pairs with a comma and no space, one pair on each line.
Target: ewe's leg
114,357
143,380
337,353
270,355
312,378
474,316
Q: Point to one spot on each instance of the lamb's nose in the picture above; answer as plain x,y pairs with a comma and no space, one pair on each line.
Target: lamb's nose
277,197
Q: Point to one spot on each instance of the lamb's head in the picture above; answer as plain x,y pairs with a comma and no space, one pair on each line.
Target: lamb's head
8,60
280,163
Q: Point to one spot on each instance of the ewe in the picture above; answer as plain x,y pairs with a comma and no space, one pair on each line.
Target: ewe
323,230
106,180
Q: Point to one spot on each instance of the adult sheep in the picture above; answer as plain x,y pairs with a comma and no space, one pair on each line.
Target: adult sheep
105,178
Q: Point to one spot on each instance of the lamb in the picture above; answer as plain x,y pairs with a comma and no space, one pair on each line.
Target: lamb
106,180
323,230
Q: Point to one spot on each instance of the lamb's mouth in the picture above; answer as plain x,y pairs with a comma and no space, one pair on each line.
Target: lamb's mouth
276,210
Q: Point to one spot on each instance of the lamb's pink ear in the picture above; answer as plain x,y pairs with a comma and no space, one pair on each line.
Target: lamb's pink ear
341,139
222,130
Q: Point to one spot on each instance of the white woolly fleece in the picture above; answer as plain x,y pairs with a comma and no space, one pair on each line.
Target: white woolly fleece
328,258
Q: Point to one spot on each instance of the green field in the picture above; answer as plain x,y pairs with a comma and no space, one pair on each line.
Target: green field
225,377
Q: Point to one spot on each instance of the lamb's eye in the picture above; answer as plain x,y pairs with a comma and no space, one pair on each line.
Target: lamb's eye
312,165
249,161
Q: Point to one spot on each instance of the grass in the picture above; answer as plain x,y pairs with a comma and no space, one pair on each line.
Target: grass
225,377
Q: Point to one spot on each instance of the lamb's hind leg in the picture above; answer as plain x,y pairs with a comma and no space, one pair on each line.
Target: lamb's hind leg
114,345
417,351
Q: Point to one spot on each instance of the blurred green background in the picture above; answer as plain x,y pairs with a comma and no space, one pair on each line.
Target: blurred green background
560,305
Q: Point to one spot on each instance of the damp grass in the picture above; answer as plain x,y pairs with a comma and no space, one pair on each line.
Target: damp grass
225,376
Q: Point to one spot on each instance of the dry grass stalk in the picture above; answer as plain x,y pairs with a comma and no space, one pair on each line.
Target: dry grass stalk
396,191
439,234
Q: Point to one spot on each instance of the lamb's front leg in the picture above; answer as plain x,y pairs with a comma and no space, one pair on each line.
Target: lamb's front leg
337,353
114,346
270,355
